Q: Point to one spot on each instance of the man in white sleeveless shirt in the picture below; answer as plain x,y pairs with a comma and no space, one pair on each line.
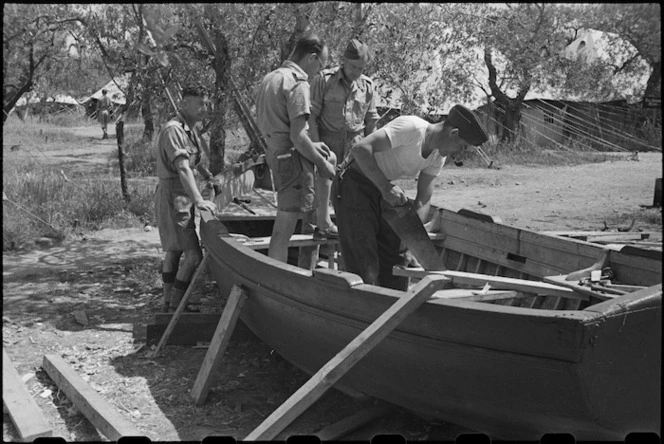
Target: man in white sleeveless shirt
406,147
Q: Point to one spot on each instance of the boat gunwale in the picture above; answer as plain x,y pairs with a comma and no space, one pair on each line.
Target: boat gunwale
584,316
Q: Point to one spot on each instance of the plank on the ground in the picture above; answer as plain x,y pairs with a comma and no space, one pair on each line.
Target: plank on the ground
353,422
90,403
26,415
337,367
218,345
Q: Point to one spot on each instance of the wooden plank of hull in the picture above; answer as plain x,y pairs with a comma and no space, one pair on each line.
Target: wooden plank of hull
450,343
625,348
346,359
544,255
308,341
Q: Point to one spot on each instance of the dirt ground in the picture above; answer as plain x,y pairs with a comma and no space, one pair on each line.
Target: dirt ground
112,277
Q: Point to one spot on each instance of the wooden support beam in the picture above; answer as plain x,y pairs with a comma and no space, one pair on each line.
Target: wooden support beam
181,306
353,422
496,282
346,359
218,345
26,415
90,403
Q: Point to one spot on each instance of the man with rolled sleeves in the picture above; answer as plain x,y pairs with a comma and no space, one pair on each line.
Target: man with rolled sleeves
343,108
408,146
179,152
283,109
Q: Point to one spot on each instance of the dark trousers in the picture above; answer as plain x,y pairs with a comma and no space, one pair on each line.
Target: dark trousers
369,246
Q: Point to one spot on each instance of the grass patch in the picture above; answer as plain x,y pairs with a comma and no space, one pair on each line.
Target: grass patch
32,132
651,218
521,153
39,196
140,156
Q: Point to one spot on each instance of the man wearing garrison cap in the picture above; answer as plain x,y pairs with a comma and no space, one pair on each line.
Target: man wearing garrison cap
408,146
343,109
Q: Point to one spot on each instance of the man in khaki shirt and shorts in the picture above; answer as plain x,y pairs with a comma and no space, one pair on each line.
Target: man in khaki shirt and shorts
283,108
179,150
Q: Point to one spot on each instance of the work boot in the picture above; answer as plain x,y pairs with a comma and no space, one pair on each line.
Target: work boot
168,291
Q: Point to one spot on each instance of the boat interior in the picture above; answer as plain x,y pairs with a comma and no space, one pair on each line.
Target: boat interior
485,261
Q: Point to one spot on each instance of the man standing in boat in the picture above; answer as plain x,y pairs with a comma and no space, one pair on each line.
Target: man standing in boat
283,108
343,108
408,146
178,153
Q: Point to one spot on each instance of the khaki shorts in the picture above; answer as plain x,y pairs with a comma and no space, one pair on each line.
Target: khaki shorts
293,180
103,118
175,216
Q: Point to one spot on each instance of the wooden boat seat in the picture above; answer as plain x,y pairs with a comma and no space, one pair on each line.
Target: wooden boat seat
478,295
297,240
496,282
341,279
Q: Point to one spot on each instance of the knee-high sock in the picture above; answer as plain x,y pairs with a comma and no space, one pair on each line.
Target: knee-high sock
179,289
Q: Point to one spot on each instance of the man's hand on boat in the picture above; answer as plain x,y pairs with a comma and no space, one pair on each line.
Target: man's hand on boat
394,196
206,205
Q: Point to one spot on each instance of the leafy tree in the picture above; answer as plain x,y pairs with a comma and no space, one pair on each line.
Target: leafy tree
522,46
34,43
640,25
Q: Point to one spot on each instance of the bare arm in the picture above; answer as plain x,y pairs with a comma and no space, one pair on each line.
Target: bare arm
189,183
363,153
316,152
316,93
313,127
425,184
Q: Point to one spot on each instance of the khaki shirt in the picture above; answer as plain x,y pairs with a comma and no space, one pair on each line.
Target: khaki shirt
282,97
341,106
175,140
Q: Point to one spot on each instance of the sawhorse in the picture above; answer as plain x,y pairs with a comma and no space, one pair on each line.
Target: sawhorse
218,344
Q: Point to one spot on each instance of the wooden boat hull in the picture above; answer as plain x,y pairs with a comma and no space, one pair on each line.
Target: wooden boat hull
510,372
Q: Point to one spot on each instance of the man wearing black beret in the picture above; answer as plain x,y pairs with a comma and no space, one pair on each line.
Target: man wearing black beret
408,146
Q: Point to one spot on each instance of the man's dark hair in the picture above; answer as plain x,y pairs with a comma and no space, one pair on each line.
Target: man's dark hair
103,91
194,91
307,44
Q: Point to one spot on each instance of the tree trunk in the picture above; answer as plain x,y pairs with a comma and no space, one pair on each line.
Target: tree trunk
654,85
119,131
7,106
222,66
302,25
146,112
511,122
